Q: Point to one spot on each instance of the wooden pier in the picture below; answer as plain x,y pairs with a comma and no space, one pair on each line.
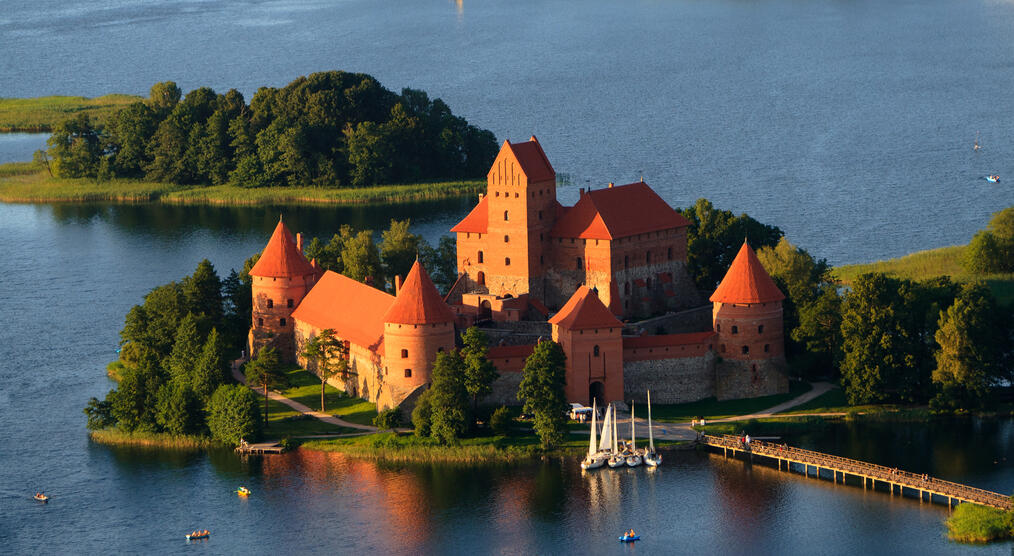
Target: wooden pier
262,448
928,488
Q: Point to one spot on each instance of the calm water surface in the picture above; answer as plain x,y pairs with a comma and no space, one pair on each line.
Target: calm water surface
69,274
848,124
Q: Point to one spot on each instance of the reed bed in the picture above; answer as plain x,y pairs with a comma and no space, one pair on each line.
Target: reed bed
41,114
150,439
412,449
971,523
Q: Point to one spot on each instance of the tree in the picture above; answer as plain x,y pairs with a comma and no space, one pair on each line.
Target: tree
361,259
233,414
211,368
480,374
185,351
501,421
971,340
178,409
326,356
203,292
543,380
399,248
265,372
422,415
76,147
819,327
992,249
448,398
133,403
164,96
441,262
100,414
155,322
388,419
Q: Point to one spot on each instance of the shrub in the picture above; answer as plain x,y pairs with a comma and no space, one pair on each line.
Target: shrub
974,523
234,414
501,421
422,415
388,419
99,414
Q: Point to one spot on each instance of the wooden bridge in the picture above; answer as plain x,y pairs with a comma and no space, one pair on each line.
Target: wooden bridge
927,487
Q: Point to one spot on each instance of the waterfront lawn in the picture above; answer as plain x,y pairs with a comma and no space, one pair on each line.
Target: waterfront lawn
972,523
710,408
773,426
304,387
28,182
40,114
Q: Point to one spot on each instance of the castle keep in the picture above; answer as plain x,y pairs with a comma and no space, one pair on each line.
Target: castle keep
529,267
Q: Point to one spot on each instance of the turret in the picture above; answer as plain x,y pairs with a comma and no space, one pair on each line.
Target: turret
281,277
591,338
417,326
747,313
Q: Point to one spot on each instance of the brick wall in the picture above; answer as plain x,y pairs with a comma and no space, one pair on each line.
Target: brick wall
676,380
736,379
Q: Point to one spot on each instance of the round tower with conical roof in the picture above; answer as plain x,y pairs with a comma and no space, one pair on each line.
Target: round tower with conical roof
417,326
281,277
747,316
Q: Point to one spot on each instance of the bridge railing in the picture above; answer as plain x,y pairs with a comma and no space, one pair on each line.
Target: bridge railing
857,467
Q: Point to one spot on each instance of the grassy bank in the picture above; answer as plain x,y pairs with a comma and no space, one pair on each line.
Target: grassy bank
711,408
151,439
410,448
24,182
774,426
923,265
971,523
40,114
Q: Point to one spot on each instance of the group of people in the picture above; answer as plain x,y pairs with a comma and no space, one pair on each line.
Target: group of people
630,534
202,533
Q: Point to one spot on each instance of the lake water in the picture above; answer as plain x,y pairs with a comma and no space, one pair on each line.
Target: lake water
70,273
848,124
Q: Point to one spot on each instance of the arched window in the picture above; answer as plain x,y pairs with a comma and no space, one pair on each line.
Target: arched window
647,258
767,348
506,238
480,256
735,329
595,351
271,303
260,322
760,329
481,278
408,373
669,253
506,261
542,259
746,349
404,354
290,303
626,261
647,283
281,322
505,216
718,327
626,288
579,263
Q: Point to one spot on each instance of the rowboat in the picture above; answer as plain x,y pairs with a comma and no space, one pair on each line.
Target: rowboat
993,178
41,497
198,535
243,491
628,538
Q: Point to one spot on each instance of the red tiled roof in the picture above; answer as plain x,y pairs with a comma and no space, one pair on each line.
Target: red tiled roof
354,310
418,301
476,221
280,258
747,281
532,160
510,352
617,212
663,340
584,310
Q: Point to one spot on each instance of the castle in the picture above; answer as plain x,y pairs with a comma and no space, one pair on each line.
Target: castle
530,268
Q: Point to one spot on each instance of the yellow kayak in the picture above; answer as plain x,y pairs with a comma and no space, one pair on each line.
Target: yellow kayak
243,491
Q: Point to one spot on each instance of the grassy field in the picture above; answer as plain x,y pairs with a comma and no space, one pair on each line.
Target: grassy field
713,409
774,426
922,265
304,387
42,113
161,440
971,523
25,182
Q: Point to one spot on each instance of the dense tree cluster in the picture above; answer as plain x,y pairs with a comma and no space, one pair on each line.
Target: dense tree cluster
174,355
328,129
543,380
992,250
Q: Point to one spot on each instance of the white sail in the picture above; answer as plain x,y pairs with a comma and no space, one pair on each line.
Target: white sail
616,447
633,443
592,444
607,430
651,436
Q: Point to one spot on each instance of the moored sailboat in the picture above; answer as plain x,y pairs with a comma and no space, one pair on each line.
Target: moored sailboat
594,459
616,459
633,458
651,457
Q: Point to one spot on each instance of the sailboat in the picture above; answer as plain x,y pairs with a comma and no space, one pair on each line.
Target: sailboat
976,147
616,459
651,457
634,459
594,459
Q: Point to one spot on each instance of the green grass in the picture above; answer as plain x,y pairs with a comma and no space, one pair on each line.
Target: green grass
923,265
26,182
40,114
971,523
774,426
712,409
410,448
304,387
160,440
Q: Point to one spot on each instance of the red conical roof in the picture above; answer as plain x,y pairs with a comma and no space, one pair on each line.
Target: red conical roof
747,281
584,310
418,301
280,258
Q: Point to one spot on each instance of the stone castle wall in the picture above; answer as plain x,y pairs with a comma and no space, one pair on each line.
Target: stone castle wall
676,380
736,379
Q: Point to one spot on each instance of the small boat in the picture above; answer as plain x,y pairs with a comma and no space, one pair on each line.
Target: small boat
616,459
197,535
630,538
594,459
976,146
41,497
243,491
634,457
651,457
993,178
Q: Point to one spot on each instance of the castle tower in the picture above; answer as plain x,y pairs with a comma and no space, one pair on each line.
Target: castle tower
591,338
281,277
503,242
747,316
417,326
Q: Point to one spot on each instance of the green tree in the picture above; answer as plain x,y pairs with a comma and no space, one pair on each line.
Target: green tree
186,350
399,248
130,132
133,403
178,409
992,250
819,327
361,259
543,381
501,421
422,415
480,374
203,292
163,97
265,372
970,357
155,322
388,419
211,368
237,301
76,147
325,356
100,414
441,262
233,414
448,398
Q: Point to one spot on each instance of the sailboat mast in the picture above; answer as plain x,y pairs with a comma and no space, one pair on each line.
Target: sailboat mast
633,443
651,435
